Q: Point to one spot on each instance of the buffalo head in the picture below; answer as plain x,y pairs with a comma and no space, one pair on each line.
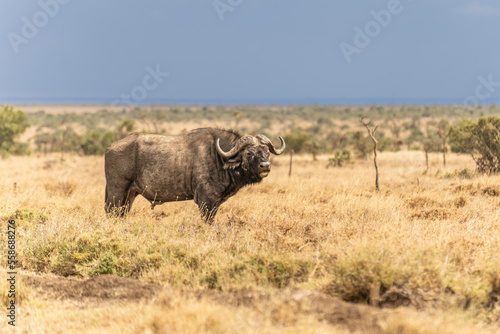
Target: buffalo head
251,154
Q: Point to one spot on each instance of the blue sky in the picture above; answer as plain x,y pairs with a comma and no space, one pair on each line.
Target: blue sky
286,50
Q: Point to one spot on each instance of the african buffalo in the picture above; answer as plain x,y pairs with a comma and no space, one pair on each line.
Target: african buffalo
207,165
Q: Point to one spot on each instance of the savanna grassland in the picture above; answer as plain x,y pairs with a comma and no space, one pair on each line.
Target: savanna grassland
305,254
318,252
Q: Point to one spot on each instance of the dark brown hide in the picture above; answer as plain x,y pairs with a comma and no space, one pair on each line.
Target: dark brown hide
184,167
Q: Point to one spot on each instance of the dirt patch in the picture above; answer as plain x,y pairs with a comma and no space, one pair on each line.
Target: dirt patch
283,305
354,317
102,287
109,287
397,296
422,298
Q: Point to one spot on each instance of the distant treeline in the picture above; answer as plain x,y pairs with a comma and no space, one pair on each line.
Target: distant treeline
306,129
401,126
264,115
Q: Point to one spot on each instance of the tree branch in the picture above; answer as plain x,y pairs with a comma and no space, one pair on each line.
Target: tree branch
371,133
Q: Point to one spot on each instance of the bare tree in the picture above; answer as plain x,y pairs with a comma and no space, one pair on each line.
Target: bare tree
64,129
427,144
443,131
371,133
431,143
444,138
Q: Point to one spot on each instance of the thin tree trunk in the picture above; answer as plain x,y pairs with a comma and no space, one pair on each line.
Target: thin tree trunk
375,163
427,159
371,132
62,145
444,152
63,136
291,161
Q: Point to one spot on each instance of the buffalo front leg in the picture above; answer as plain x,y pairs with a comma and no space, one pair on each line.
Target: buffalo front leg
208,212
208,206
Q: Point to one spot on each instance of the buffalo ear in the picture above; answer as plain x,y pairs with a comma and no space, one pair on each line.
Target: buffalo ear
232,163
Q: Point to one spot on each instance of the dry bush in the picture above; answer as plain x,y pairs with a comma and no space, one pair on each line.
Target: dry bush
432,214
419,202
470,188
460,202
491,191
60,188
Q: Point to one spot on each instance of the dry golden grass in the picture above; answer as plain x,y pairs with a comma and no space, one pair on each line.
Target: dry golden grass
428,242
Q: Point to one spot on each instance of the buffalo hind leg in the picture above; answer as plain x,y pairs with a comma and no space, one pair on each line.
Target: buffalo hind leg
118,199
131,195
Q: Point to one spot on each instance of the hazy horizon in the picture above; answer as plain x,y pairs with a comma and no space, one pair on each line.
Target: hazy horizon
243,102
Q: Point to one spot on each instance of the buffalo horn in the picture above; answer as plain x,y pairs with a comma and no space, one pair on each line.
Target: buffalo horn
266,141
240,144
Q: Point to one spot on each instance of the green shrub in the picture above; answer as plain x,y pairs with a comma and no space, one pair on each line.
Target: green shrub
96,141
12,124
340,158
297,141
480,139
362,143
